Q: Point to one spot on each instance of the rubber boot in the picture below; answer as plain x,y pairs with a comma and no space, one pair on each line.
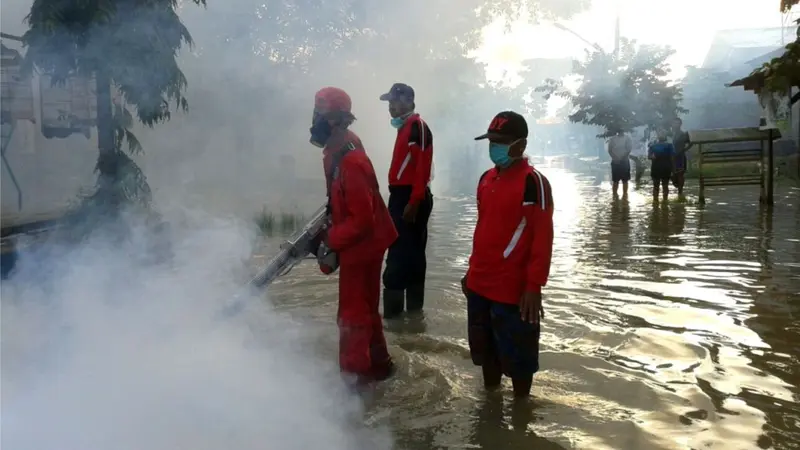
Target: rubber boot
392,303
415,297
522,386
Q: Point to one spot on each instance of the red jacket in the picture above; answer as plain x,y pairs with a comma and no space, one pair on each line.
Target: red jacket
412,157
513,241
361,228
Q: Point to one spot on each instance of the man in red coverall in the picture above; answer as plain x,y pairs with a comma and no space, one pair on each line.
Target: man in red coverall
510,260
360,231
410,204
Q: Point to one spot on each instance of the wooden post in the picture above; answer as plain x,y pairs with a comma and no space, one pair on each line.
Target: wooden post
762,197
700,170
6,141
771,164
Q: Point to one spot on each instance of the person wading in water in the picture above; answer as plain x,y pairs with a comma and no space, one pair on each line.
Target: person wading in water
619,148
682,144
360,231
511,251
661,154
410,204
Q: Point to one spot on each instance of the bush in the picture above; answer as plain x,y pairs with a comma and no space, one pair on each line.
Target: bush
282,223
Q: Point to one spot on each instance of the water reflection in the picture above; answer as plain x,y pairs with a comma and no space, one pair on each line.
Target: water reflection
669,326
507,425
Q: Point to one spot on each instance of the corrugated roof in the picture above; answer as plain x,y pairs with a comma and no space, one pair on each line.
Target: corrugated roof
755,37
731,48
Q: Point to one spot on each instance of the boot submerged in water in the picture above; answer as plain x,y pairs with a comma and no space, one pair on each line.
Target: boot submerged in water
415,298
393,301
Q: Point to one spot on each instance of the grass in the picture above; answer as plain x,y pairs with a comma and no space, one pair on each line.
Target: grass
271,223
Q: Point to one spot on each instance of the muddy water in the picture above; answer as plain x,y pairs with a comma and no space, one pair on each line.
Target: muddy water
668,327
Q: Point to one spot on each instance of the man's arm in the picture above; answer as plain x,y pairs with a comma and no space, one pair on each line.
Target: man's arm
689,142
420,144
478,201
358,199
538,209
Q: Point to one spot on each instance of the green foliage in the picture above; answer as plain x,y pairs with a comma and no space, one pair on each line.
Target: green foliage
133,42
129,45
283,223
777,75
622,92
297,32
781,73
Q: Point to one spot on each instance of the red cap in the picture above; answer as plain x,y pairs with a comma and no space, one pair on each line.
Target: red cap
331,99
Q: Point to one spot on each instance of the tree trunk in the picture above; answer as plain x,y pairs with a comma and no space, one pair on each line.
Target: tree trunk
106,161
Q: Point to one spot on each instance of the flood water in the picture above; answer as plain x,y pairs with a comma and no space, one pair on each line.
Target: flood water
668,327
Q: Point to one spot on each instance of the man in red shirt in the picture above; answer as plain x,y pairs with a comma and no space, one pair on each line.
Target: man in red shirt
360,231
510,261
410,204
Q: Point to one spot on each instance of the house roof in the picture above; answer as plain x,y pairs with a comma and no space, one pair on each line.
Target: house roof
732,48
755,62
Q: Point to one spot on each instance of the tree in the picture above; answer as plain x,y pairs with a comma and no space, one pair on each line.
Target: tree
622,92
127,45
307,36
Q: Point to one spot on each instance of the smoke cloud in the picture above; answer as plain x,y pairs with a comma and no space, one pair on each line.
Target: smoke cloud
102,351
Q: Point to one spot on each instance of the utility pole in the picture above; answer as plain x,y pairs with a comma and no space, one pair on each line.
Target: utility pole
616,36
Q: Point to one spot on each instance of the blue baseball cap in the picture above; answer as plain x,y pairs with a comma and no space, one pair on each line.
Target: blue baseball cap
399,92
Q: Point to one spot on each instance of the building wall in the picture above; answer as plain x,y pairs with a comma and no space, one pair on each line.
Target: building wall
50,172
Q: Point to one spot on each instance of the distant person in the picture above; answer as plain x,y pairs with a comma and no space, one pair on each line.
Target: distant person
410,204
639,157
682,144
360,231
661,154
619,148
510,262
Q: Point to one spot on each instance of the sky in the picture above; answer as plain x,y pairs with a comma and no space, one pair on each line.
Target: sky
686,25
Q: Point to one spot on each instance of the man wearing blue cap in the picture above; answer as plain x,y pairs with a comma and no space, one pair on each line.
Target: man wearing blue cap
410,204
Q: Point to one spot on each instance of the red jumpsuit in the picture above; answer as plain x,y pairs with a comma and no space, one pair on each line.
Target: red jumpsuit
361,230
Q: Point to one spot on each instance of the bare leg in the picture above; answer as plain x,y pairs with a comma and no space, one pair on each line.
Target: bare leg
655,190
624,188
616,188
665,188
492,373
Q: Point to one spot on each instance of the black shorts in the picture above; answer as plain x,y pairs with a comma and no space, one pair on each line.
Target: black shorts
498,336
620,170
661,171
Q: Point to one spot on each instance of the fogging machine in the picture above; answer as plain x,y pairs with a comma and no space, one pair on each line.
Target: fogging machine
307,243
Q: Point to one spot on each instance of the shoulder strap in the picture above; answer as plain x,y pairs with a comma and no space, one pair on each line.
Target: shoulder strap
333,170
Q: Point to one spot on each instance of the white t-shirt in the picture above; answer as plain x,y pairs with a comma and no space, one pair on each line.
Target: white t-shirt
619,146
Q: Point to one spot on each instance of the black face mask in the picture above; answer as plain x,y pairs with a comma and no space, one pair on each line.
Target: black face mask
320,130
